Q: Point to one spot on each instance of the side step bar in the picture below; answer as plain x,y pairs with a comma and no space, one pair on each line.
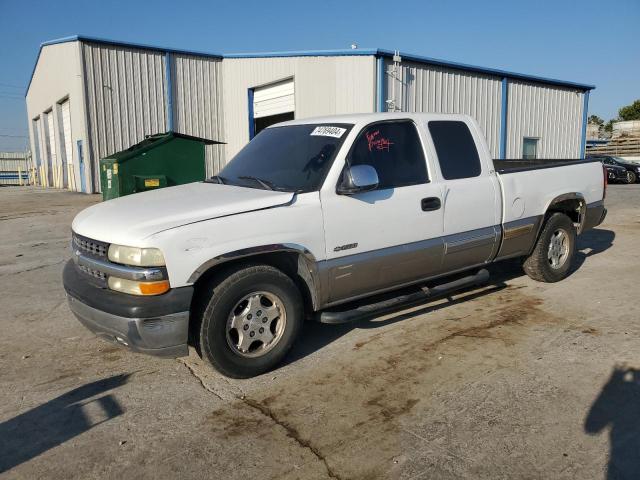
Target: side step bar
402,301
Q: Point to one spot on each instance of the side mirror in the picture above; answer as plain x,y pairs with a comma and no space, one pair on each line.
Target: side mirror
357,179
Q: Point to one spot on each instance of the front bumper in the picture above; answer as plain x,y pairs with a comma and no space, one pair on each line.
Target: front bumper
157,325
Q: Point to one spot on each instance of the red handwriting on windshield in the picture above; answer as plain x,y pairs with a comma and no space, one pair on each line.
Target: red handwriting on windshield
378,143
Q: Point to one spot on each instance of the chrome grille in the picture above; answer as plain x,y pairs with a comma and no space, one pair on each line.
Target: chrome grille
94,273
92,247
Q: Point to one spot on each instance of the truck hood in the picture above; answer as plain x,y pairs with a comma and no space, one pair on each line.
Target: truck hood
130,219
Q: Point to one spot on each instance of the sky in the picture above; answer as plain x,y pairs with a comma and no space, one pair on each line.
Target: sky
587,41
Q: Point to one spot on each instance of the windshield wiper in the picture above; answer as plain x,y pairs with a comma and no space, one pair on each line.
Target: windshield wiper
216,179
264,183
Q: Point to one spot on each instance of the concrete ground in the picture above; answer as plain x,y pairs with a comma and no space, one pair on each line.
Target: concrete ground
515,380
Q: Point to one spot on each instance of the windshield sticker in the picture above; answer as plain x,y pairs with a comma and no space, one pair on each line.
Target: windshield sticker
328,131
378,143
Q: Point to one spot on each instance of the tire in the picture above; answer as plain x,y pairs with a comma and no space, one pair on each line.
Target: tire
538,265
241,298
631,177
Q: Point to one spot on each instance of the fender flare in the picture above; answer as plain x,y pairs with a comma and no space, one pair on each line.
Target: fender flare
570,196
307,267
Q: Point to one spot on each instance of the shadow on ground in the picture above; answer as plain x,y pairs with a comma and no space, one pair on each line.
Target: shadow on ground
34,432
317,335
618,408
592,242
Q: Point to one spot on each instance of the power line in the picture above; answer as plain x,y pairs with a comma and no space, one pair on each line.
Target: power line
14,136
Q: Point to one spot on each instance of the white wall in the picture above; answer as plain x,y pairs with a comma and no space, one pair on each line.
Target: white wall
323,86
58,75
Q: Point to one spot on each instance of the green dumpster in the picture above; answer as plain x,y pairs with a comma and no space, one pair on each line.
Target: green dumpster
160,160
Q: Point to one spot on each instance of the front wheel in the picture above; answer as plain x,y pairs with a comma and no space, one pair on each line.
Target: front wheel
251,321
551,258
631,177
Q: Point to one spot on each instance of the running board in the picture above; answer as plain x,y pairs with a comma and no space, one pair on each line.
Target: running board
335,317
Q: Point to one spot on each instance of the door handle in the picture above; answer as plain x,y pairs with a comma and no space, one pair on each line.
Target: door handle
429,204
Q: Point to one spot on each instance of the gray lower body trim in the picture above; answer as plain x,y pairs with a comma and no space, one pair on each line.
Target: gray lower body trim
355,276
470,248
164,336
519,237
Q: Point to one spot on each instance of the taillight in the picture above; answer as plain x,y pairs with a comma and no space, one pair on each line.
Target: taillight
605,179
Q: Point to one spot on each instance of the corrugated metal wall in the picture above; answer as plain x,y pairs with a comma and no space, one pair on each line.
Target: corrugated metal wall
14,168
197,103
126,97
551,113
418,87
323,86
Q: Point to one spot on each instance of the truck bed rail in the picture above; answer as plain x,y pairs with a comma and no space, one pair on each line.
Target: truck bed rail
522,165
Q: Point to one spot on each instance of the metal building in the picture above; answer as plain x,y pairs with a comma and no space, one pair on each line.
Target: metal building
14,168
89,98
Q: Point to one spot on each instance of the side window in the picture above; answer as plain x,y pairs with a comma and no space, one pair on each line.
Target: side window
394,150
457,152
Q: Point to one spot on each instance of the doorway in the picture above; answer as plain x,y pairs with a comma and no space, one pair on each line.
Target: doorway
271,104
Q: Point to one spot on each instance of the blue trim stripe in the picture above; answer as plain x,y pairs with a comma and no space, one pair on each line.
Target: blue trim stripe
306,53
585,111
168,59
252,124
144,46
326,53
13,175
503,118
380,90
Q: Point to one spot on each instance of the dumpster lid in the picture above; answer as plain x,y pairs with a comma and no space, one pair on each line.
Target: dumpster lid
152,141
170,133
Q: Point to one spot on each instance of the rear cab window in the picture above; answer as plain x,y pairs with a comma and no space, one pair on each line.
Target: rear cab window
457,152
394,149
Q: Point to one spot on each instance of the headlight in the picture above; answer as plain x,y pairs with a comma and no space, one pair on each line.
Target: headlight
140,257
138,288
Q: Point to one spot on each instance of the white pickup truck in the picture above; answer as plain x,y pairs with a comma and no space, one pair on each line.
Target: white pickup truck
314,218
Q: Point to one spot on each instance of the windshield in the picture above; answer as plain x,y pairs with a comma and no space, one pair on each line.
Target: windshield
292,158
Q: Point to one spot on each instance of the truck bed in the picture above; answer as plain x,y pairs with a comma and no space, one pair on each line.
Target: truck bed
529,186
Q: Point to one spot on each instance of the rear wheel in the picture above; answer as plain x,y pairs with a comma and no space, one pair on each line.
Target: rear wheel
631,177
252,319
551,258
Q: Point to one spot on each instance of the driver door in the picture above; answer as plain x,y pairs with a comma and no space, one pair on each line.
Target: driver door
389,236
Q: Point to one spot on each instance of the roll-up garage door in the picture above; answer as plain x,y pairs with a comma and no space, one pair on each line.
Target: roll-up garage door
274,99
51,144
68,169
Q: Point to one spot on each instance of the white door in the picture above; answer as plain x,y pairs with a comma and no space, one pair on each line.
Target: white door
274,99
470,196
67,142
389,236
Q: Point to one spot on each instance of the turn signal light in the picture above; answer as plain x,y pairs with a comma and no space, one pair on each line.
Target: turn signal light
138,288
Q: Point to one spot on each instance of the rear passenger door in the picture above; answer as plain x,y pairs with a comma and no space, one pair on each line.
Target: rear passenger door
471,196
383,238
